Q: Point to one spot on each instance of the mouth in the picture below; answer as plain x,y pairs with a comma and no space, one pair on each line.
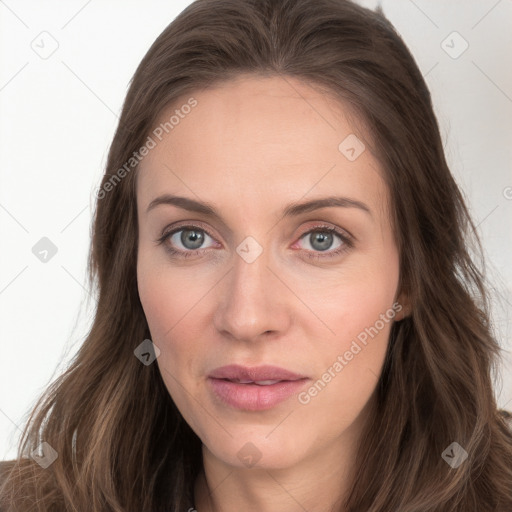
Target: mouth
254,389
255,374
259,382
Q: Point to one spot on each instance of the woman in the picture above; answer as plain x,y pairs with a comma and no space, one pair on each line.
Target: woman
288,314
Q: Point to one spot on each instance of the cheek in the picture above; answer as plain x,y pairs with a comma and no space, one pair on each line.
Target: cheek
170,309
163,307
169,296
158,301
350,301
174,306
358,311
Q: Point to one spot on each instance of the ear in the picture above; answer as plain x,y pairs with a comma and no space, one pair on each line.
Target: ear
403,306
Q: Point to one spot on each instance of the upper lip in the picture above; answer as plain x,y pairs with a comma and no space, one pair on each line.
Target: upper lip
255,373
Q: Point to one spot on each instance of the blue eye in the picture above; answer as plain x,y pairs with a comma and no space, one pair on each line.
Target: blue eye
321,239
192,238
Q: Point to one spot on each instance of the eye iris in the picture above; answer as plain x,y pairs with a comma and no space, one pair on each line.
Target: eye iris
193,236
324,240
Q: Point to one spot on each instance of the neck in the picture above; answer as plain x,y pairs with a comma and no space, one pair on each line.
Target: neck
269,490
317,483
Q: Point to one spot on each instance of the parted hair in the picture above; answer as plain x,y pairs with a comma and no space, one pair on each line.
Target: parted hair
122,444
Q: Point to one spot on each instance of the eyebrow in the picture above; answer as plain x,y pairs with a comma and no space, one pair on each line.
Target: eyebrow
291,210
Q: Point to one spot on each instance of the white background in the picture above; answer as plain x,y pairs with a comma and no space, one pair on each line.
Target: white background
58,116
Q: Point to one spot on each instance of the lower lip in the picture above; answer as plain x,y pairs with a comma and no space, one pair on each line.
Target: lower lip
252,397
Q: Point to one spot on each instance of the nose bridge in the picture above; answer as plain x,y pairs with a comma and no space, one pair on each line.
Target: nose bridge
249,304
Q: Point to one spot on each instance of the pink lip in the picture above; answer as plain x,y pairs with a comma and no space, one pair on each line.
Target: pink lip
250,396
238,372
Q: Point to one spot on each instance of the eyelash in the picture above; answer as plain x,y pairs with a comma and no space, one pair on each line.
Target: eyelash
347,240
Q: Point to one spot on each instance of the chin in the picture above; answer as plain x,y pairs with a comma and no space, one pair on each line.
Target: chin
257,448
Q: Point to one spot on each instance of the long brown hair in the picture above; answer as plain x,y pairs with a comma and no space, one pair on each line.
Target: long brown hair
122,444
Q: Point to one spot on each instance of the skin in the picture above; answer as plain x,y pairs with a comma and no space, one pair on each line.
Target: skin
250,147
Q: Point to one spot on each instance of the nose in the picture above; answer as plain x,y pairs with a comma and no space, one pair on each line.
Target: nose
252,301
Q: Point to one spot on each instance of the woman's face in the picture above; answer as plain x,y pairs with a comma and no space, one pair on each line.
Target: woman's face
272,318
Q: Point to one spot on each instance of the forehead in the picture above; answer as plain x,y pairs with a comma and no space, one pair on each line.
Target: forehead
254,136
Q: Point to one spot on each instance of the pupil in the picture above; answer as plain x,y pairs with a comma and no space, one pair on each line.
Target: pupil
324,241
191,236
